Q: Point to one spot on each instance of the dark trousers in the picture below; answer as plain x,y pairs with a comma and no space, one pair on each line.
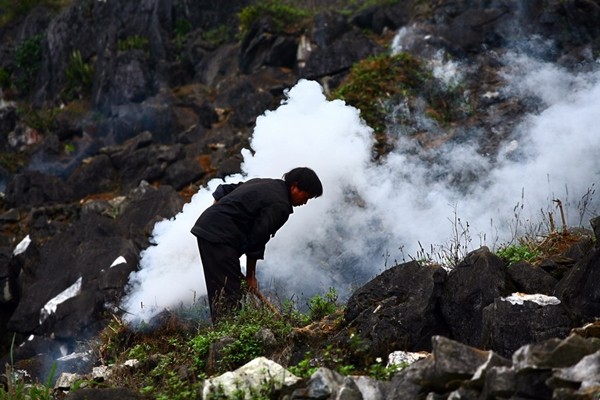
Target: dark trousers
223,276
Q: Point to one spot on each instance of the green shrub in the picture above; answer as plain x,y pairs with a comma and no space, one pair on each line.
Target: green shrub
379,78
134,42
320,306
28,60
282,13
216,36
79,77
12,9
518,252
4,78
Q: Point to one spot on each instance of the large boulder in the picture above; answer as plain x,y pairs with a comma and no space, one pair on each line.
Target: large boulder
579,288
34,188
67,285
335,47
399,309
514,321
471,286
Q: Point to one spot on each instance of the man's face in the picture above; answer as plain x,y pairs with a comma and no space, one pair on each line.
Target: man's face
299,196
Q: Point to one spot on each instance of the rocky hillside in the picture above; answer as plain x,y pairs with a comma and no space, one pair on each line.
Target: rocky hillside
112,114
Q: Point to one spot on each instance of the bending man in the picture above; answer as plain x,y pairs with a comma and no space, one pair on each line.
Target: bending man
242,219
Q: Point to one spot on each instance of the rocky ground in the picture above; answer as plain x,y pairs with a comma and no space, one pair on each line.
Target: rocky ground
112,115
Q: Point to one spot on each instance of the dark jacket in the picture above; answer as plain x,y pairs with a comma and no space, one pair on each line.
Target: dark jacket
246,215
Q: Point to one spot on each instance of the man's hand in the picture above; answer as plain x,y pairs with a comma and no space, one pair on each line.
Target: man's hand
251,274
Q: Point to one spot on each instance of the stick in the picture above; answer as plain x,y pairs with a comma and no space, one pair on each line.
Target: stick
266,301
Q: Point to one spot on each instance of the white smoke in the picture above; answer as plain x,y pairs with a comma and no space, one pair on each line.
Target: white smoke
374,214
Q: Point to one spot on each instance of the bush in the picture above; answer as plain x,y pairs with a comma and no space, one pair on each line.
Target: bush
518,252
28,59
79,77
283,14
379,78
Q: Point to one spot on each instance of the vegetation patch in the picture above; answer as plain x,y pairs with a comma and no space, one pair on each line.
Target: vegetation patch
518,252
13,9
28,60
377,81
133,42
283,14
79,77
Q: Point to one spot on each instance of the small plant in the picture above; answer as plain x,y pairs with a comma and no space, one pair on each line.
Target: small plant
320,306
134,42
216,36
305,368
382,372
79,76
182,27
518,252
42,120
4,78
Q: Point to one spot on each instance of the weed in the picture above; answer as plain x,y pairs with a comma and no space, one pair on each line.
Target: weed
134,42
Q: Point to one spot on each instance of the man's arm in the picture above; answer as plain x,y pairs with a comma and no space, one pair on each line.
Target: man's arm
251,274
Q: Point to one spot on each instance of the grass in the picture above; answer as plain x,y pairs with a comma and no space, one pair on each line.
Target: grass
175,357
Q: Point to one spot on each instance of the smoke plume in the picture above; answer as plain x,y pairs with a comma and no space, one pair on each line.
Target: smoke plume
374,214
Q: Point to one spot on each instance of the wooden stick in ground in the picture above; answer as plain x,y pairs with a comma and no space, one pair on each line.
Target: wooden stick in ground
266,301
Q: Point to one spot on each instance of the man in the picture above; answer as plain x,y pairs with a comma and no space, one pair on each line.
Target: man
242,219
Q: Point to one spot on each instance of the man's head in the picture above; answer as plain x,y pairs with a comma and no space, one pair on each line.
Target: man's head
304,184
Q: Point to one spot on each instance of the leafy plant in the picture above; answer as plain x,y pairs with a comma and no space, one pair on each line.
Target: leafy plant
518,252
320,306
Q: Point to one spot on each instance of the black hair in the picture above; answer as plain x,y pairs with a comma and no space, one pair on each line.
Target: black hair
306,179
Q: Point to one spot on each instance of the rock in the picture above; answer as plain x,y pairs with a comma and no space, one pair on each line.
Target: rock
586,374
264,46
509,324
33,188
105,394
339,55
66,380
251,379
325,383
531,279
578,288
95,175
471,286
397,309
182,173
